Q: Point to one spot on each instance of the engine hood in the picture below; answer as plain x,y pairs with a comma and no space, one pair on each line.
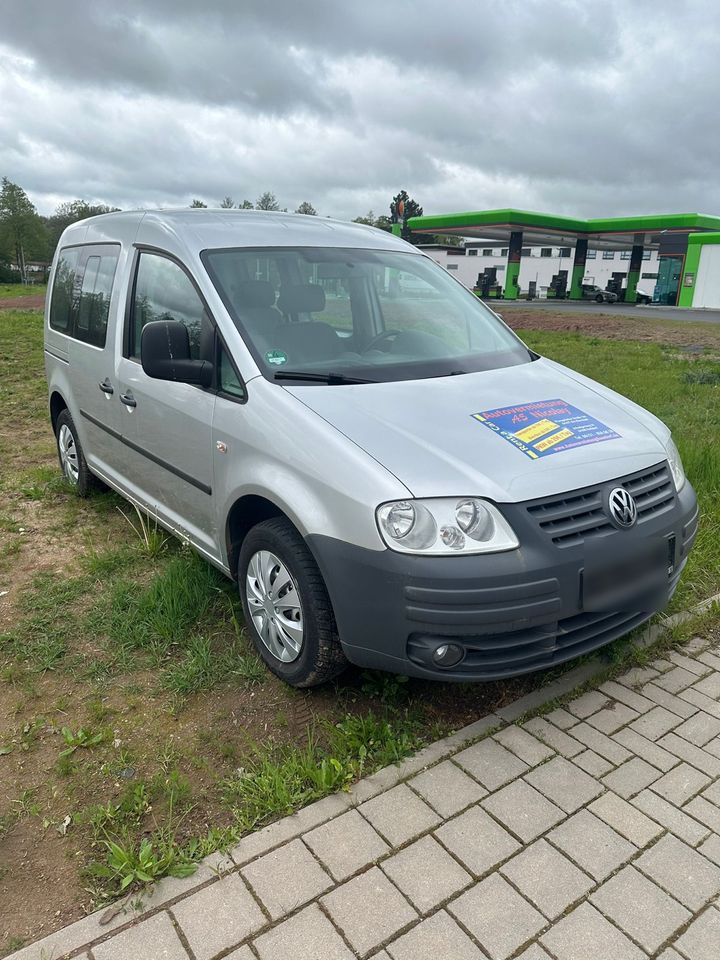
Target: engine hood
425,432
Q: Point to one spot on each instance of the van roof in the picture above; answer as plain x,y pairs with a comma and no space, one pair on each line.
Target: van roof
189,231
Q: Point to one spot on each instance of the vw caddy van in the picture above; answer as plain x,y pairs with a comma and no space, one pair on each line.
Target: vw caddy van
392,477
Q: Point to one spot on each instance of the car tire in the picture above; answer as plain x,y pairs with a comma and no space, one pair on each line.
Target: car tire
72,459
599,298
273,551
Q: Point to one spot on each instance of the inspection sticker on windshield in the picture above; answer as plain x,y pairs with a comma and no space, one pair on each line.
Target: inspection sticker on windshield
545,426
276,357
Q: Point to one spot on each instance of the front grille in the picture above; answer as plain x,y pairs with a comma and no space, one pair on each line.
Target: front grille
575,517
654,491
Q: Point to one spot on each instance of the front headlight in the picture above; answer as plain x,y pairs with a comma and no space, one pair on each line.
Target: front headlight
445,526
675,464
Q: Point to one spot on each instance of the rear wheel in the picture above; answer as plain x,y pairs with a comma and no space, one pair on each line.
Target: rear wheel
286,605
599,298
71,457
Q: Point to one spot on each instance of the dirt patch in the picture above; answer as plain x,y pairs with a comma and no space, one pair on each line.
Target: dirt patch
608,327
36,302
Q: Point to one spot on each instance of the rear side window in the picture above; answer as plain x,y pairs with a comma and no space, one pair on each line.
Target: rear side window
163,291
63,296
80,302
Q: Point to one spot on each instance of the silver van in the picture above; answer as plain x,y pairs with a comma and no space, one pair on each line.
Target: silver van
392,477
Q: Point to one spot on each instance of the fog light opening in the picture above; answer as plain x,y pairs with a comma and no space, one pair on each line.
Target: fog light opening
448,655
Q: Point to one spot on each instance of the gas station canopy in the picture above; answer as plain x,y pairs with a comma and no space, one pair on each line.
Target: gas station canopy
667,233
613,233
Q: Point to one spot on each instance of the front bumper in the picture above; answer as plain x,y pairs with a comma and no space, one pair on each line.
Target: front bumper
512,612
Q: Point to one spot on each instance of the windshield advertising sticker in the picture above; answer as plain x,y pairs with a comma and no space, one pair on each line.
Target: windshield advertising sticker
545,426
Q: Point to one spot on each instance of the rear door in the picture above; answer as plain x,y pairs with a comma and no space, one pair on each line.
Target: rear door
81,315
166,426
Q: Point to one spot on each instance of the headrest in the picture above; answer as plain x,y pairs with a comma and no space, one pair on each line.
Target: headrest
301,298
252,294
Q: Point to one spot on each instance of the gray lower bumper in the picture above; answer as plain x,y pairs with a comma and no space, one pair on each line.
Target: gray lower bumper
512,613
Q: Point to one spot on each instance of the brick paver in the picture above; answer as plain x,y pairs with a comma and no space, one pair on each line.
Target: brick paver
437,937
682,871
287,878
218,917
592,844
640,908
491,764
306,936
497,916
549,880
700,941
564,784
346,844
368,910
523,810
586,935
426,873
477,840
399,815
591,832
153,939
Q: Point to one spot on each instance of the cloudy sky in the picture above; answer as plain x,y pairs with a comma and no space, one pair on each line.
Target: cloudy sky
595,107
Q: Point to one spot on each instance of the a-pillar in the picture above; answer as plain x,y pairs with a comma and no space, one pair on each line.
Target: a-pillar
512,271
578,270
636,260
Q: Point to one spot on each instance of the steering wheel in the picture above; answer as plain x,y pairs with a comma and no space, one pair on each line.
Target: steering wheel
385,335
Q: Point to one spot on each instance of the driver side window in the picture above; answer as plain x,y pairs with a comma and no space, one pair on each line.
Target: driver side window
163,291
410,303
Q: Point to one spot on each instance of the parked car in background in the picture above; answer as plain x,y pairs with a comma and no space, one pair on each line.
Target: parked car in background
642,296
592,292
391,477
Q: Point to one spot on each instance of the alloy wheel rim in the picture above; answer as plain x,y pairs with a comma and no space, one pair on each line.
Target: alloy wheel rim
274,604
68,454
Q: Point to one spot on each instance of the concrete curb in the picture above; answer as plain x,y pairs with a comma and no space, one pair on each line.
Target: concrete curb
99,926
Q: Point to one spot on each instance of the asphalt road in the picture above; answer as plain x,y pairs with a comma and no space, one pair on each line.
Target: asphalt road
657,312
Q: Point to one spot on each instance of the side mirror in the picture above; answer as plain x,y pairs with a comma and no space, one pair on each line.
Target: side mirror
165,354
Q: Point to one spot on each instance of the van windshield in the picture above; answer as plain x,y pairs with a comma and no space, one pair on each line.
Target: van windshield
336,314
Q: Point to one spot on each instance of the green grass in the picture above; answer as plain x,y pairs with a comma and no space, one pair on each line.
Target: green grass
657,378
10,291
274,783
23,393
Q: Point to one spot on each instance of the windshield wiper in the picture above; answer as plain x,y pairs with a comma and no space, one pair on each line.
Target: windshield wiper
331,378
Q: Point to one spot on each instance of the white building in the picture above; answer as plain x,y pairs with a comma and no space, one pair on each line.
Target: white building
539,264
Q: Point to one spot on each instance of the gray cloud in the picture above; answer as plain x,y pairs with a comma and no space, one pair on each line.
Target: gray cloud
579,107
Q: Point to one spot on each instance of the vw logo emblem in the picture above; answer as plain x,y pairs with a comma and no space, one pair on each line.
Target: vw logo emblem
623,508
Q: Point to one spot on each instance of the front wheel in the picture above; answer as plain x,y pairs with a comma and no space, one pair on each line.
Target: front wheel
286,606
71,457
599,298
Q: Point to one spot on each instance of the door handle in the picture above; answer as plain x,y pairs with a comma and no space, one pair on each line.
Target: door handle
106,386
128,399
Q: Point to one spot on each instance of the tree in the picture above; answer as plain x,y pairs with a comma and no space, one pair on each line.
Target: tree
307,208
196,204
22,232
368,219
70,212
411,208
246,205
267,201
227,203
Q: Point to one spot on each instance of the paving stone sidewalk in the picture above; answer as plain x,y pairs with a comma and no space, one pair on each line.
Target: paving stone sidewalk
589,833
